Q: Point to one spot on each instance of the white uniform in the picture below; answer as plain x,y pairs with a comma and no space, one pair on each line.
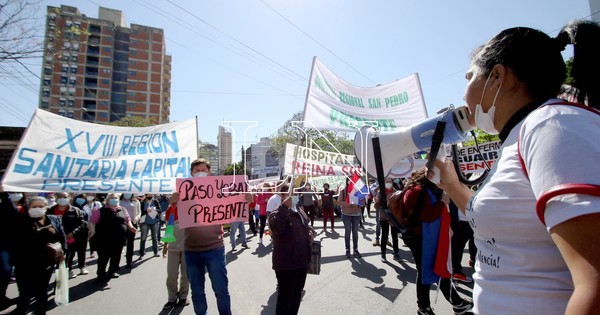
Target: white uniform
519,269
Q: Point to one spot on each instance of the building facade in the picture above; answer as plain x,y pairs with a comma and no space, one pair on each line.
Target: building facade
225,144
99,70
264,161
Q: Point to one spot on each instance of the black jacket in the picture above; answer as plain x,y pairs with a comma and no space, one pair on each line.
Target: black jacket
291,239
73,220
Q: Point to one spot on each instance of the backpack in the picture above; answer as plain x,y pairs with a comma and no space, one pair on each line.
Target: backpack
406,220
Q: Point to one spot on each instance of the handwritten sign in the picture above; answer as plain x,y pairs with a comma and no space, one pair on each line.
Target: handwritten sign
211,200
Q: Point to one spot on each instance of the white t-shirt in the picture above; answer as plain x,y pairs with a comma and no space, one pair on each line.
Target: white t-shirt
273,203
519,268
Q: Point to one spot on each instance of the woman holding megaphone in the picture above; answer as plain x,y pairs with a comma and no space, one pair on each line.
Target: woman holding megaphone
536,218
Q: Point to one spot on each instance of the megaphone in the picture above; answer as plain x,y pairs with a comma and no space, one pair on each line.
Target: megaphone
169,236
396,145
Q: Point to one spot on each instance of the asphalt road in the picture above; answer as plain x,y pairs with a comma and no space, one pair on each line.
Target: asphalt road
345,286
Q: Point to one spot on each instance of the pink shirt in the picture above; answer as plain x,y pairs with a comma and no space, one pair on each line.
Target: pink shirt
96,214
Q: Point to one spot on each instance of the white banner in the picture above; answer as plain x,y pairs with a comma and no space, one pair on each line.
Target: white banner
313,162
265,170
62,154
334,104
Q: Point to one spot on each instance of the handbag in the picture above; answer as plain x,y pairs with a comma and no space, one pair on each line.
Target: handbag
61,296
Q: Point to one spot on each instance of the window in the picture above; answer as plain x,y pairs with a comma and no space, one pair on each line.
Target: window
103,115
63,79
104,92
132,72
131,93
64,68
46,82
76,46
46,92
72,80
107,60
45,104
62,102
106,71
47,70
63,90
104,103
71,91
105,81
71,103
73,69
132,83
107,49
74,58
130,105
133,62
133,52
65,57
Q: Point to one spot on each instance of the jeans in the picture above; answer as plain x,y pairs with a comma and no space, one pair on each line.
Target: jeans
233,226
252,221
351,223
377,225
5,272
212,261
154,233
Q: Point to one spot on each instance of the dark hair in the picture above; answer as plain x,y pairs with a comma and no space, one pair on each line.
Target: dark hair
536,60
417,178
199,161
284,188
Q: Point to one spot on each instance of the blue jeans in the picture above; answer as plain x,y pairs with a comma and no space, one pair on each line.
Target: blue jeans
378,225
212,261
351,223
154,233
233,226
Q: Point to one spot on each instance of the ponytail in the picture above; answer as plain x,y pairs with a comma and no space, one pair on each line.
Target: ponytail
585,38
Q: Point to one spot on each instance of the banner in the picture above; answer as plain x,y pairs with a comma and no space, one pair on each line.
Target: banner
62,154
334,104
212,200
313,162
473,162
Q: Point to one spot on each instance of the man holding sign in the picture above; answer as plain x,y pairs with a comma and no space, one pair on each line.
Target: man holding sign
203,243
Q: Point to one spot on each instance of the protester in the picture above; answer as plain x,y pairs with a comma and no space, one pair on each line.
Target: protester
462,233
149,222
164,202
422,204
252,217
205,252
536,218
90,206
18,201
8,212
133,207
109,225
386,226
75,228
327,205
308,199
34,261
351,214
239,225
261,203
292,240
274,202
176,268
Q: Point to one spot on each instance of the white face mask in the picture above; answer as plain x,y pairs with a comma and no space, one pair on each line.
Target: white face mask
485,121
388,185
37,213
14,197
200,174
62,201
89,198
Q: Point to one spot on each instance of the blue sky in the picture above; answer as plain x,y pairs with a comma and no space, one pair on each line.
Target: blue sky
250,60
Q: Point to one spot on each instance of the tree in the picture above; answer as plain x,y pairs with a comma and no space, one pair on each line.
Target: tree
18,26
291,132
133,121
238,168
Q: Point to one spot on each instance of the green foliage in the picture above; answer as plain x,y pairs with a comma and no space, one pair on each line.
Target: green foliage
291,132
482,137
133,121
238,168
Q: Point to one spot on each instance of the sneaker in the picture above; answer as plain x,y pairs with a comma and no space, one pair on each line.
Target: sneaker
356,254
425,311
233,249
169,305
464,308
83,271
73,274
376,242
114,276
128,266
459,276
245,246
183,302
348,254
260,240
397,257
383,259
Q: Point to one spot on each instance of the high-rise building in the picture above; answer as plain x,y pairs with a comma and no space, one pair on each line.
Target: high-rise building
99,70
224,143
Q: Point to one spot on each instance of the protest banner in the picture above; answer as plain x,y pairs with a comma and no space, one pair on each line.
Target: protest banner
301,160
61,154
472,162
334,104
211,200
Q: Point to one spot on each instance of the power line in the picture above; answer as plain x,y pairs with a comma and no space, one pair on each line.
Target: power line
316,41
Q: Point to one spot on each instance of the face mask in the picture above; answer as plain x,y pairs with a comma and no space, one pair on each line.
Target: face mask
113,202
15,197
127,196
148,198
89,198
200,174
37,213
388,185
79,201
485,121
62,201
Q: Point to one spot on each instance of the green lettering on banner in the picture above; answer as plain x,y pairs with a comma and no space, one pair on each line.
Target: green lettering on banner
397,99
374,103
351,100
324,87
350,121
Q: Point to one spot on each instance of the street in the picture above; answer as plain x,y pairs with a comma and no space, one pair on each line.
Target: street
359,286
